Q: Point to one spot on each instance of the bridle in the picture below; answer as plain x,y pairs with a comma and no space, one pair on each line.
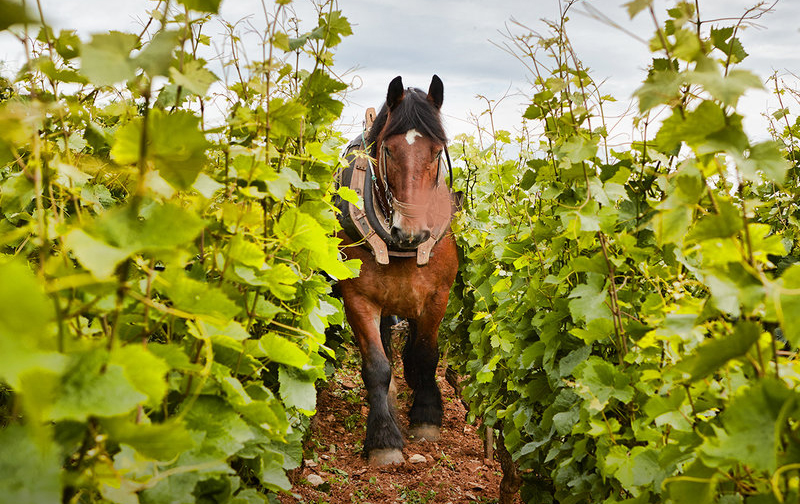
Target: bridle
389,204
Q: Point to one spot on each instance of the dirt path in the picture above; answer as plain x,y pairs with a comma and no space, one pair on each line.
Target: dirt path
451,470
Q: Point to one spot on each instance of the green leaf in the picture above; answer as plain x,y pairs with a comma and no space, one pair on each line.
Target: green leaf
47,67
661,86
762,160
194,77
250,496
13,13
297,391
302,232
106,59
175,145
732,48
588,302
728,222
272,474
578,148
725,88
350,196
634,7
211,6
785,301
687,45
317,91
636,467
732,286
692,127
588,216
94,254
670,225
116,235
156,57
199,298
697,485
225,433
672,410
246,252
144,370
335,27
25,310
92,386
712,354
280,349
163,441
752,431
30,474
27,332
598,381
285,118
68,44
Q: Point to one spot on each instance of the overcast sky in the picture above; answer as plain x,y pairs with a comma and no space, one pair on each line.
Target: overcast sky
457,39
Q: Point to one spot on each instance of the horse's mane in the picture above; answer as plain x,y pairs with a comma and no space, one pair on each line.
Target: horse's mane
414,111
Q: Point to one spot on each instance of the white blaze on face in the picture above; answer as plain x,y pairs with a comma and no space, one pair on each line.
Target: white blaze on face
411,136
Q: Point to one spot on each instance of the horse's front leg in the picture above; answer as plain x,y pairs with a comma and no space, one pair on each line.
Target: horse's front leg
384,442
420,358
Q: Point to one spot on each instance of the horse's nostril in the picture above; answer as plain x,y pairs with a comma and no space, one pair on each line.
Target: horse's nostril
397,234
424,236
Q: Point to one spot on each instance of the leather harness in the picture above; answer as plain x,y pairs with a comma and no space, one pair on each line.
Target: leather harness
370,226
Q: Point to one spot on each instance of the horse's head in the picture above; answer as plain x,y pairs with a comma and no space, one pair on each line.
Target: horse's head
408,142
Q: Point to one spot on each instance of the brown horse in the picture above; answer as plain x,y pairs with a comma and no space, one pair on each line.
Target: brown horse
407,142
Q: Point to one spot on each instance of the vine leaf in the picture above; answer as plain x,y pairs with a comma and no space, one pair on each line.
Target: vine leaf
194,77
712,354
636,6
210,6
197,297
86,391
156,57
175,145
279,349
297,392
786,300
163,441
30,474
115,235
751,426
105,60
728,222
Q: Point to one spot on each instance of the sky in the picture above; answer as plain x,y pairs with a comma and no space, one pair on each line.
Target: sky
460,40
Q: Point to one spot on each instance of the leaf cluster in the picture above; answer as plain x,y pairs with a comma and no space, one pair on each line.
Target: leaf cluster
165,291
628,318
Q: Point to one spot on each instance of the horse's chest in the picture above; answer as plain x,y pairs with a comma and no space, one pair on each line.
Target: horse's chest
406,295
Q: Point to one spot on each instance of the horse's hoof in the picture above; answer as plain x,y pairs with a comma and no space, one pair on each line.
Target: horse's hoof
386,456
426,432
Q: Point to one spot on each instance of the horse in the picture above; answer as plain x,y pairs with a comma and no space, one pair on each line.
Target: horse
405,187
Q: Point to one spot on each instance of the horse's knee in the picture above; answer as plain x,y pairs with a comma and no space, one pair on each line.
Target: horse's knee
377,373
419,364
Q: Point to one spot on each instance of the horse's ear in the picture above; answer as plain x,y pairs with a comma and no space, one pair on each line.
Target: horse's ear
395,94
436,92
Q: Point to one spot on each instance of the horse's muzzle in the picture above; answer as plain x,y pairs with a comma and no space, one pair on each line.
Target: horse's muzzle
407,240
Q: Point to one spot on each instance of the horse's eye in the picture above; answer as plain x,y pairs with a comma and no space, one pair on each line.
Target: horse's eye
386,152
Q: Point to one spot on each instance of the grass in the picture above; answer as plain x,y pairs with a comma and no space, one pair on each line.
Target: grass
415,496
